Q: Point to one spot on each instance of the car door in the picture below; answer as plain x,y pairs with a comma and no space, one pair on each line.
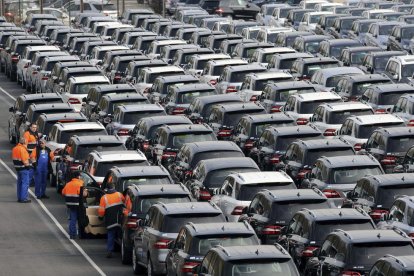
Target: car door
90,206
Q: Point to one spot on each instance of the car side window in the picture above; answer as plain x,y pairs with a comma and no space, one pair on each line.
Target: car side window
212,264
318,116
290,104
326,248
397,211
206,263
180,242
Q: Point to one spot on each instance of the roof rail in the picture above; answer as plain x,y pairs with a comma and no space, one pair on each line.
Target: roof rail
400,232
396,259
223,249
192,225
281,249
308,211
343,232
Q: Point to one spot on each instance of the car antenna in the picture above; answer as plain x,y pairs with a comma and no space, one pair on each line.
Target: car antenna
162,189
403,179
222,228
257,252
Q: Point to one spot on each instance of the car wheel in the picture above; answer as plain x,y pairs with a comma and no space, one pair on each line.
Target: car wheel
126,255
12,139
137,268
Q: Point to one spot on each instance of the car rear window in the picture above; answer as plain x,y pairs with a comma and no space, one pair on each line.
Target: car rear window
247,192
386,195
309,107
147,180
186,98
400,143
131,118
283,95
310,69
350,175
82,151
390,98
339,117
214,154
239,76
232,118
200,245
178,140
216,178
84,88
103,167
323,228
283,142
259,267
283,211
257,129
172,223
65,135
313,154
364,131
147,201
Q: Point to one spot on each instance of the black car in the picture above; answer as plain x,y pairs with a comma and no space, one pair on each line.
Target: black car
35,110
303,69
209,174
285,61
46,121
250,128
342,25
376,193
170,138
270,211
253,259
407,164
352,87
375,62
200,108
161,84
308,229
245,50
325,22
401,265
356,251
195,240
334,47
301,155
274,142
295,16
144,131
399,40
287,39
308,43
224,117
192,153
118,67
354,56
134,68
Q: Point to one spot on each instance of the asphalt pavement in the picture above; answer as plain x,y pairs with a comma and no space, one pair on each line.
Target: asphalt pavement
33,236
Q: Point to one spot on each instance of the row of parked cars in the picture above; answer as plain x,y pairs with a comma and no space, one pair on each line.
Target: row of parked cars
239,149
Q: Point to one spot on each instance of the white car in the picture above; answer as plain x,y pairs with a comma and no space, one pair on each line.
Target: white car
239,189
214,68
310,20
154,49
98,53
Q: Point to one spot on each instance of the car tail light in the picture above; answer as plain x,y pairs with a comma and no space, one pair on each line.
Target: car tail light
275,159
350,273
410,123
74,101
147,91
75,166
276,109
132,223
411,235
357,147
380,111
302,174
117,77
237,211
253,98
220,10
204,195
249,144
329,132
168,154
188,267
389,160
224,133
45,78
123,132
145,145
15,58
301,121
304,77
330,193
188,173
178,111
26,65
376,214
213,82
271,230
231,89
34,72
162,244
309,251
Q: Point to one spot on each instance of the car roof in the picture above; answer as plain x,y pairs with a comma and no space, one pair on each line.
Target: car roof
393,87
369,77
127,171
188,208
244,67
349,161
217,228
387,53
270,75
163,69
251,252
211,146
397,131
275,49
96,139
63,116
80,125
186,128
275,117
262,177
49,106
104,156
336,214
220,98
309,97
160,189
376,119
166,119
391,179
340,106
192,87
167,79
210,56
341,41
328,72
124,96
89,79
31,97
290,84
292,130
293,194
373,236
228,163
318,60
408,59
293,55
313,37
228,61
323,143
140,107
229,107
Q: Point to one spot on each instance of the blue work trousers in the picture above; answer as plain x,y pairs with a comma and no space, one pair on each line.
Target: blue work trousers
73,221
23,185
110,243
40,182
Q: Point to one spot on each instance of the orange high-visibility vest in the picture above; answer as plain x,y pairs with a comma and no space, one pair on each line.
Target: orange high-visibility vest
31,141
20,157
71,192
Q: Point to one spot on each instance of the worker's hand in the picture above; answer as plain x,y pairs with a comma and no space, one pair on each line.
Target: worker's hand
85,193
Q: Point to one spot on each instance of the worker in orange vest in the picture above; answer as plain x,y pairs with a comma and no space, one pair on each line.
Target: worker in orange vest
32,138
21,162
111,207
71,192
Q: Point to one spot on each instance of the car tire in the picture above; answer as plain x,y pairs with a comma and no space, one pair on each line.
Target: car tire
126,255
136,267
12,139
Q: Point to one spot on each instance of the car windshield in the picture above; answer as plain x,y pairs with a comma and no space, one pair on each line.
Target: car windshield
103,167
358,57
260,84
232,118
381,62
312,47
186,98
360,88
364,131
339,117
239,76
390,98
283,211
131,118
147,180
178,140
283,142
387,194
248,191
385,29
84,87
114,105
407,70
323,228
147,202
335,51
283,267
214,154
407,33
172,223
310,69
350,175
285,94
366,254
364,26
309,107
200,245
82,151
400,143
215,179
313,154
65,135
258,128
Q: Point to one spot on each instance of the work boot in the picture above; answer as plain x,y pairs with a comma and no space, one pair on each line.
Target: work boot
109,255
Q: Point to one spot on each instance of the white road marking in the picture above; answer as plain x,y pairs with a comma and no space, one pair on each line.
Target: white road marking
51,216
